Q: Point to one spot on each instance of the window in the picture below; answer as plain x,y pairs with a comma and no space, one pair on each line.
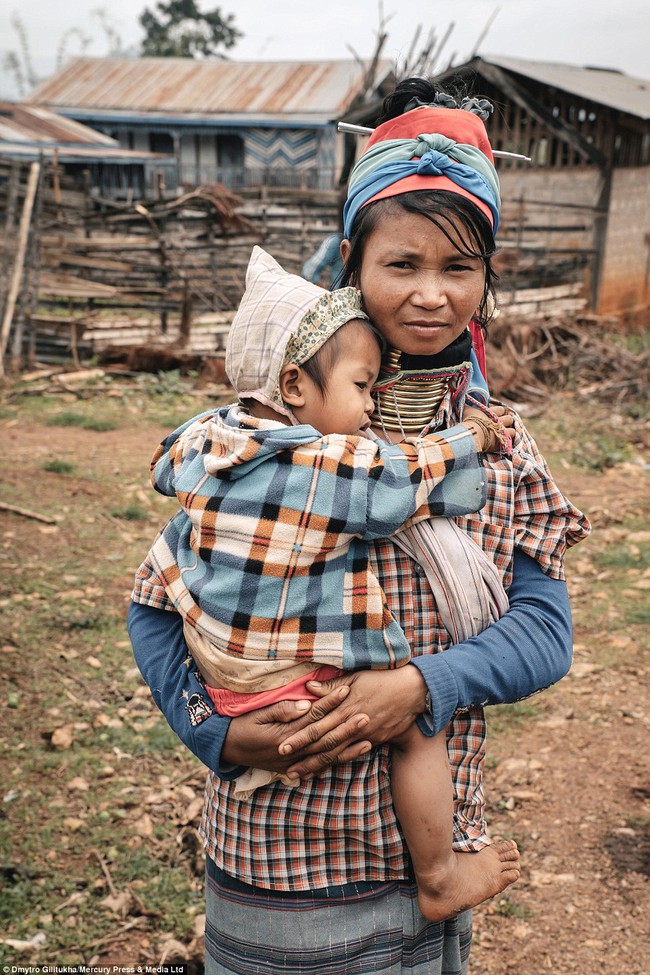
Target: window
230,151
161,142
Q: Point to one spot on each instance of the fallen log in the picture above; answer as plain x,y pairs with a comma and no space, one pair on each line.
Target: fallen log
26,513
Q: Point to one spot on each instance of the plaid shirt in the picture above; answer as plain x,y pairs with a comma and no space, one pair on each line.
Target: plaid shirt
341,827
268,557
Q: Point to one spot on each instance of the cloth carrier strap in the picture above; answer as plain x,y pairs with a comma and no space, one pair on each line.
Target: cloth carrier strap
466,584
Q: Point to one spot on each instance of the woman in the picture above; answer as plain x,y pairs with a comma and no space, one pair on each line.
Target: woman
317,878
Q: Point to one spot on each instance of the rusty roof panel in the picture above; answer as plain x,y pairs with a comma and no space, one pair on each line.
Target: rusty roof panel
600,85
183,85
30,131
34,123
76,153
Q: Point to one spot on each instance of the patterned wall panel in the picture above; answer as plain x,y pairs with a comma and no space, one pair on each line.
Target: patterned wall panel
270,148
329,140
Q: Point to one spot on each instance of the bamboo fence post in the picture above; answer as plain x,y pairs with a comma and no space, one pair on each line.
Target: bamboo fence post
16,278
29,290
35,268
8,244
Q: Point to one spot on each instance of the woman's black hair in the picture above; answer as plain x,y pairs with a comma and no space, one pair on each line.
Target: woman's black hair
446,210
423,89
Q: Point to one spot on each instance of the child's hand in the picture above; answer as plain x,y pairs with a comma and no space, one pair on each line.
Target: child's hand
493,431
506,422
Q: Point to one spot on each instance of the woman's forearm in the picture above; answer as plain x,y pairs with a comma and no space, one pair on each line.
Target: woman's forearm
161,654
163,659
528,649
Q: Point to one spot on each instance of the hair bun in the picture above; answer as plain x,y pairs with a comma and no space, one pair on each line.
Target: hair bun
478,106
475,106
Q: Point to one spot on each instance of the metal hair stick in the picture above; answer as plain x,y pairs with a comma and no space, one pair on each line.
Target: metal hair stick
354,129
364,130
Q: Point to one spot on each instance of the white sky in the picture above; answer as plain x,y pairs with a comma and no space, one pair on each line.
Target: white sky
595,32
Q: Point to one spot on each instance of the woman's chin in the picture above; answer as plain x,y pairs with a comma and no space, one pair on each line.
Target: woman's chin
425,341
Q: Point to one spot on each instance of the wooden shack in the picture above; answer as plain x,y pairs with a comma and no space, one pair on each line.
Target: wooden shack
92,159
585,196
579,212
239,123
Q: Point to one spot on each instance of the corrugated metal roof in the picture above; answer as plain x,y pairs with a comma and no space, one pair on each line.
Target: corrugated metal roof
29,131
112,116
83,154
601,85
181,85
32,124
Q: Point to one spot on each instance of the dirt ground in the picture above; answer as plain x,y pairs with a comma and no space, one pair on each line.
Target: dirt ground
570,781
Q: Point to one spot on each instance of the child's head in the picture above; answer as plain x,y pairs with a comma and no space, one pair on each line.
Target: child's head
291,345
332,390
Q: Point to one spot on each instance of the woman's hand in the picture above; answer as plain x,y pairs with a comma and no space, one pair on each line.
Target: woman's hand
254,739
390,700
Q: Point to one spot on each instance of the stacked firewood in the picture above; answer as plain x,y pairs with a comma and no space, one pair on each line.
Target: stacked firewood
588,353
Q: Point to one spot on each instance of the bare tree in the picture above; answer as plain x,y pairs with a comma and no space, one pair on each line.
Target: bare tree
19,63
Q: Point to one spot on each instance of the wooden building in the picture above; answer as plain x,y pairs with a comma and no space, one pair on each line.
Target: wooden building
95,161
232,122
579,212
587,131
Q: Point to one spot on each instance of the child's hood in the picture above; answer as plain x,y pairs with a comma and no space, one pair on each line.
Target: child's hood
281,314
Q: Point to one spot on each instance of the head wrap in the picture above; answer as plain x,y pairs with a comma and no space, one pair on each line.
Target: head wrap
426,149
281,318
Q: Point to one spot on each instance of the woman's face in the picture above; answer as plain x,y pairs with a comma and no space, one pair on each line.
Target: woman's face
418,288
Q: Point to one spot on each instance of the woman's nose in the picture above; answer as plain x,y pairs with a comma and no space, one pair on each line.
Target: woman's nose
429,291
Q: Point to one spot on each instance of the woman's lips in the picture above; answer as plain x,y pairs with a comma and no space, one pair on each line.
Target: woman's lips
426,324
425,327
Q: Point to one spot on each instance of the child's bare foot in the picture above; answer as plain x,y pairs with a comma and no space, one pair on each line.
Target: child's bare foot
468,879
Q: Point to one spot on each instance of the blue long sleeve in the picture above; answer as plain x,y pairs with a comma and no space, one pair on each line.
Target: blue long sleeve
328,254
525,651
161,654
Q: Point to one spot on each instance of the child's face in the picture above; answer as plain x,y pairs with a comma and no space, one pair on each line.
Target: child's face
346,404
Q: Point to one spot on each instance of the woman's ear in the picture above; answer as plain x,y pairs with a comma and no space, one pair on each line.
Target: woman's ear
345,249
290,384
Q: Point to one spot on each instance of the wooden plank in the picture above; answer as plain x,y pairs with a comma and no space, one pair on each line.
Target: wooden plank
100,264
17,274
522,97
546,294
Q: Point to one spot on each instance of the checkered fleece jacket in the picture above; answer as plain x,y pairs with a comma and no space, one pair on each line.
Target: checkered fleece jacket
340,827
268,557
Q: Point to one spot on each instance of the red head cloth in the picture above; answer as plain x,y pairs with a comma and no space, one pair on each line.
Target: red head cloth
463,162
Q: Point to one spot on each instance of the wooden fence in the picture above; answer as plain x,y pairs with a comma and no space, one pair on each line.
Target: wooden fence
79,272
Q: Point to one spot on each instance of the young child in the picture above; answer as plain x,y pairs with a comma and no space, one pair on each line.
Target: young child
267,559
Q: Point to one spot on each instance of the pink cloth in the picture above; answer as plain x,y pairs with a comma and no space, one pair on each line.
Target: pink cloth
479,346
231,704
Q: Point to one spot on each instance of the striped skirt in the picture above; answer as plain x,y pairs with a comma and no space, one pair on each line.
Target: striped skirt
360,929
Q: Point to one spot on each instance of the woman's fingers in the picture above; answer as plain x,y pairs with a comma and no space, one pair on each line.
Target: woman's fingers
265,738
325,719
306,768
283,711
253,738
324,734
